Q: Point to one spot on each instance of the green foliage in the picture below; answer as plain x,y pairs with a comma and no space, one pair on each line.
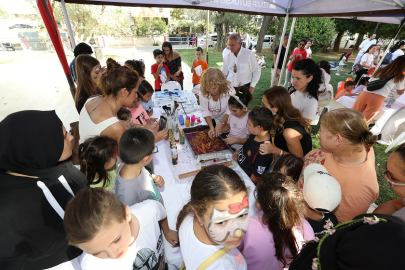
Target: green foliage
176,13
140,27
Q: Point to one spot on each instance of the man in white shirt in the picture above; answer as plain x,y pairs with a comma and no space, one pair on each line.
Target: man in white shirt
240,65
363,48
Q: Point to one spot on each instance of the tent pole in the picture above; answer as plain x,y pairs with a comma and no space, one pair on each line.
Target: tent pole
68,25
286,49
207,32
390,44
279,49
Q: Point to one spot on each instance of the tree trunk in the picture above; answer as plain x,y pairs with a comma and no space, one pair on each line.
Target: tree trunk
359,41
226,34
220,34
279,28
337,41
263,30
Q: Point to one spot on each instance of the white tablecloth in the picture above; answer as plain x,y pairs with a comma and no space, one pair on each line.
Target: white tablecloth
382,117
176,192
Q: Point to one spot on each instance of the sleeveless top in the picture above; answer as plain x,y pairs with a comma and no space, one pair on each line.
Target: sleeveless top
87,128
306,141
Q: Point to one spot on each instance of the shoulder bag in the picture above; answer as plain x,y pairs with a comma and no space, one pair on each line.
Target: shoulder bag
377,84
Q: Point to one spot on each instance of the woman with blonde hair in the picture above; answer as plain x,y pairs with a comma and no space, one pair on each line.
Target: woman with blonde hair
214,100
291,131
88,71
370,101
347,154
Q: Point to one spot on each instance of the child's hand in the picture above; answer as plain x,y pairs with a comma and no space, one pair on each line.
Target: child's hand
195,60
160,66
211,133
160,135
152,127
229,140
218,130
235,155
168,79
159,181
171,237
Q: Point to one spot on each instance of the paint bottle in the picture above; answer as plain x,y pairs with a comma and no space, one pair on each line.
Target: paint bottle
181,120
187,122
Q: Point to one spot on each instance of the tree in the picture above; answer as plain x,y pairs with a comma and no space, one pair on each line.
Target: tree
158,27
342,26
263,30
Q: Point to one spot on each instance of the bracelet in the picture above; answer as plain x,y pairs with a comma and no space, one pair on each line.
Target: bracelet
281,153
222,123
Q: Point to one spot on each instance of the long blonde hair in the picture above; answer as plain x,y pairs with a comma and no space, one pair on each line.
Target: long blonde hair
214,76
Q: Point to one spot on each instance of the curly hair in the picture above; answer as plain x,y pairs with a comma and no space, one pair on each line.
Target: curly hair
214,77
283,208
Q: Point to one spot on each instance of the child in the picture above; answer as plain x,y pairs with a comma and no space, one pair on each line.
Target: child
214,221
114,235
198,64
322,193
289,165
156,69
348,88
237,121
124,114
275,238
134,183
139,115
342,63
146,91
260,121
262,62
97,157
361,86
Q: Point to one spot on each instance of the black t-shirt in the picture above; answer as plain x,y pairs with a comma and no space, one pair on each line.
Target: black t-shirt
306,141
328,220
280,61
251,161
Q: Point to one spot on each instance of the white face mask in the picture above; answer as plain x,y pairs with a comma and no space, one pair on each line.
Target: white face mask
233,222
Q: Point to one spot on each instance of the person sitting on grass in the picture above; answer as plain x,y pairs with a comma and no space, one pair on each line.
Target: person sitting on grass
254,164
134,183
346,91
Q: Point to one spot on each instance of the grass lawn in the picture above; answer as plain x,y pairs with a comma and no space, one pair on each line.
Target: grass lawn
386,191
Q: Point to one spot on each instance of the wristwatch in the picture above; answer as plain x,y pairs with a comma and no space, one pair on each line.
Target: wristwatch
281,153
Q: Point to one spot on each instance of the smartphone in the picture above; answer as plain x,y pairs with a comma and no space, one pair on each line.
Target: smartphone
162,122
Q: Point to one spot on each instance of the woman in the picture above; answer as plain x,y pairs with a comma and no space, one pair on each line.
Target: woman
88,71
214,100
296,55
292,131
306,77
37,179
325,88
370,102
397,50
173,62
395,175
378,53
367,62
214,221
347,154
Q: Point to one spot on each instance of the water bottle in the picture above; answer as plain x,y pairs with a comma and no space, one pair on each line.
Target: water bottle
163,75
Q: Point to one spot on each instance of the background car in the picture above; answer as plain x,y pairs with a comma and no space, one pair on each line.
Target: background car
211,43
5,46
267,40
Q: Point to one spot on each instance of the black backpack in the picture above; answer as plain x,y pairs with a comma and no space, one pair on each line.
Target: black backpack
387,58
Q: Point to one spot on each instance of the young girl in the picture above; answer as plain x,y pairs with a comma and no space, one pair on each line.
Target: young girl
289,165
214,100
275,238
237,121
99,224
97,157
146,91
342,62
139,114
361,86
260,121
215,220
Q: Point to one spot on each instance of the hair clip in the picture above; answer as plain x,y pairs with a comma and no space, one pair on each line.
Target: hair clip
241,92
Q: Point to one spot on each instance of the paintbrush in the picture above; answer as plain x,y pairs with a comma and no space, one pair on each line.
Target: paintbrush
181,103
213,160
176,105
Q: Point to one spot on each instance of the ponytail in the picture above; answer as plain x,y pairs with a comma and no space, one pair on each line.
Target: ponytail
187,209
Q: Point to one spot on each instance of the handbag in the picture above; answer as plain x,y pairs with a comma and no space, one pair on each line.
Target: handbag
181,75
377,84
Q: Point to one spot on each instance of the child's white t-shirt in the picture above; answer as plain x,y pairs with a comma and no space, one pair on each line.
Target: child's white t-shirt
195,253
238,129
146,252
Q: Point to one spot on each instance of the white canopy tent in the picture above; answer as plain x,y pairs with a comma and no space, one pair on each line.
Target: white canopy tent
389,11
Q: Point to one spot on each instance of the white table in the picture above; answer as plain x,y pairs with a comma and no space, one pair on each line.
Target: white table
382,117
176,192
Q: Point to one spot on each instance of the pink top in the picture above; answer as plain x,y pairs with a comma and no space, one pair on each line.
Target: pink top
139,115
258,244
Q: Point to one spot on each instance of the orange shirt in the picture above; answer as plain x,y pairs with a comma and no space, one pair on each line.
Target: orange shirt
204,66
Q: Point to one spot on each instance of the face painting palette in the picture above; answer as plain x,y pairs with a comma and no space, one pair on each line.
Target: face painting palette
201,144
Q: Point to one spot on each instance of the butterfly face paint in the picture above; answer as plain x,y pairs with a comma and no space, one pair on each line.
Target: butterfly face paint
232,222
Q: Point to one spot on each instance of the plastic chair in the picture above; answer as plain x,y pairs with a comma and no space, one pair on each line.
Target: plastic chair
171,85
400,139
318,115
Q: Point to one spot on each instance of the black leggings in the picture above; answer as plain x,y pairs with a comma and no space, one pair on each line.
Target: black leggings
359,73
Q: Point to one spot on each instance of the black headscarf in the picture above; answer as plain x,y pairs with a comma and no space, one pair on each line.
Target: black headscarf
360,244
30,141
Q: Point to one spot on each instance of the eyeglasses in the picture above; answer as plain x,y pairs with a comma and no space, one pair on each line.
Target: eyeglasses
390,179
214,109
235,68
155,150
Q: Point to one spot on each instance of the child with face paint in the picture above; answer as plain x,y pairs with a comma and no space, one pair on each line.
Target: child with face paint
237,121
274,239
215,220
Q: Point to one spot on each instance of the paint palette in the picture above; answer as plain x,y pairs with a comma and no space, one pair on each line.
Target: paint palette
201,144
